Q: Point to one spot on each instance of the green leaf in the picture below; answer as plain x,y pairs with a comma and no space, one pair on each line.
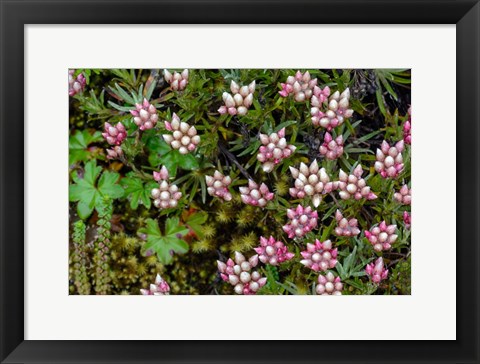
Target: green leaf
163,245
107,185
172,227
84,210
91,172
78,144
195,222
88,194
138,191
187,162
380,103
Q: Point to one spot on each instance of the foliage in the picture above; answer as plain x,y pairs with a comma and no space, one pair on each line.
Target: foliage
183,243
165,245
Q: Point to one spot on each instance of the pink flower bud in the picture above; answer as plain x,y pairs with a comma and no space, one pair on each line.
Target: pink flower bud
177,81
377,271
160,288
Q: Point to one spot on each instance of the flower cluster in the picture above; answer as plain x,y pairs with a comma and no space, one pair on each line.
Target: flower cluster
77,84
328,284
346,227
159,288
389,159
302,220
354,185
407,128
331,148
404,196
217,185
319,256
377,271
115,152
241,100
311,181
273,252
274,149
166,195
114,135
254,195
382,236
300,85
184,137
407,219
240,275
145,116
177,81
332,112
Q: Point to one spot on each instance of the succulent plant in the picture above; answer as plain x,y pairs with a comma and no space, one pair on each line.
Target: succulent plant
319,256
389,159
377,271
311,182
240,275
217,186
300,85
239,101
255,195
159,288
114,135
77,84
272,252
274,149
404,195
145,116
331,148
177,81
332,114
167,194
354,185
184,137
382,236
302,221
328,284
346,227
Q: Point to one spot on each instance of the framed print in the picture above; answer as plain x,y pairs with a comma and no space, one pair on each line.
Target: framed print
239,165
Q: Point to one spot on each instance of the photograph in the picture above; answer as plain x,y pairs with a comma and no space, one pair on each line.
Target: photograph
239,181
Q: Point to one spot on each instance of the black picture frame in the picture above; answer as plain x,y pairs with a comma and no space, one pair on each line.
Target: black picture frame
15,14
